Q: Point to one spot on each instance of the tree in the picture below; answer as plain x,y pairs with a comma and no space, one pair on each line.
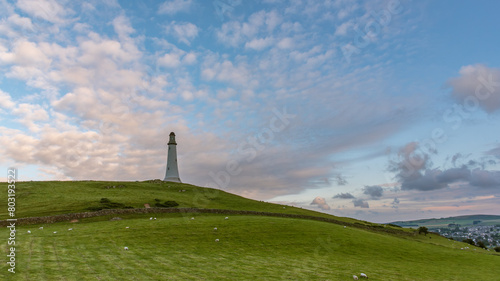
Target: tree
481,244
423,229
470,241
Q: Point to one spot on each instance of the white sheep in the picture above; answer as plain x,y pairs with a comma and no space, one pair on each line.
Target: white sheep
70,229
126,227
151,218
155,218
55,232
41,227
192,218
226,218
215,228
355,277
363,275
29,231
216,240
125,248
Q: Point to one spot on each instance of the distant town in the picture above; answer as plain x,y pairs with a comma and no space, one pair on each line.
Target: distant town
478,230
488,234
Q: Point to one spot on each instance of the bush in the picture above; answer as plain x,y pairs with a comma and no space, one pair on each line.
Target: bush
423,230
167,204
105,203
481,244
497,249
470,241
394,225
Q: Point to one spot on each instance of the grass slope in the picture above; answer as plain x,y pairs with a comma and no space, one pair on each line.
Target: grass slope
175,247
45,198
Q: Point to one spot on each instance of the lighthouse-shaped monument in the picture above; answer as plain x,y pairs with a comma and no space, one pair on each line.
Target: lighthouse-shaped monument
172,173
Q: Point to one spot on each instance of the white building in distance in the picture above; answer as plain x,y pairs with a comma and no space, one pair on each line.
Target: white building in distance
172,173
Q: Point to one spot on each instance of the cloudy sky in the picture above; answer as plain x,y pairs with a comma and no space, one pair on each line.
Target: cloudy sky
378,110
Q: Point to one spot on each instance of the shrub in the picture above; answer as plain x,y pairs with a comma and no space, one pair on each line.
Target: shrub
394,225
497,249
167,204
470,241
423,230
105,203
481,244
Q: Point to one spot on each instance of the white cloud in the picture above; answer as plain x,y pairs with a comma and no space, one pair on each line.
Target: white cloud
24,23
6,100
226,93
27,53
260,23
170,60
285,43
321,202
185,32
260,43
343,28
227,72
49,10
189,58
175,6
477,85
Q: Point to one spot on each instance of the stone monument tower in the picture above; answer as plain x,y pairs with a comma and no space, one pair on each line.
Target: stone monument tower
172,173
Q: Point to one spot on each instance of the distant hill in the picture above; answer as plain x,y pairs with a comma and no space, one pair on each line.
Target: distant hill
445,222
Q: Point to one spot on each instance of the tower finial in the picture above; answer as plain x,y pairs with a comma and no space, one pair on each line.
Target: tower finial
172,139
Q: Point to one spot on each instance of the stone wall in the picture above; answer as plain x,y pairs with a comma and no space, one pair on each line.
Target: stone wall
78,216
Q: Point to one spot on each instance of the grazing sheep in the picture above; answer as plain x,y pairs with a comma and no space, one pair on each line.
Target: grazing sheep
151,218
226,218
216,240
70,229
355,277
155,218
29,231
41,227
345,226
125,248
363,275
55,232
126,227
192,218
215,228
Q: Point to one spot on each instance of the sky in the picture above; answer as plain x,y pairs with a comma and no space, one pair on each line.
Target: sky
376,110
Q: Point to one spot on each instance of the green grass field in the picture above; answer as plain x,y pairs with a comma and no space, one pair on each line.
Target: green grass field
176,247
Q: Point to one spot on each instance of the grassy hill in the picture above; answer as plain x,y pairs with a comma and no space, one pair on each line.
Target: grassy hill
177,247
46,198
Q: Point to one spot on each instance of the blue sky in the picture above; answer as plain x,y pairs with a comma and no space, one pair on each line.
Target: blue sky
378,110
